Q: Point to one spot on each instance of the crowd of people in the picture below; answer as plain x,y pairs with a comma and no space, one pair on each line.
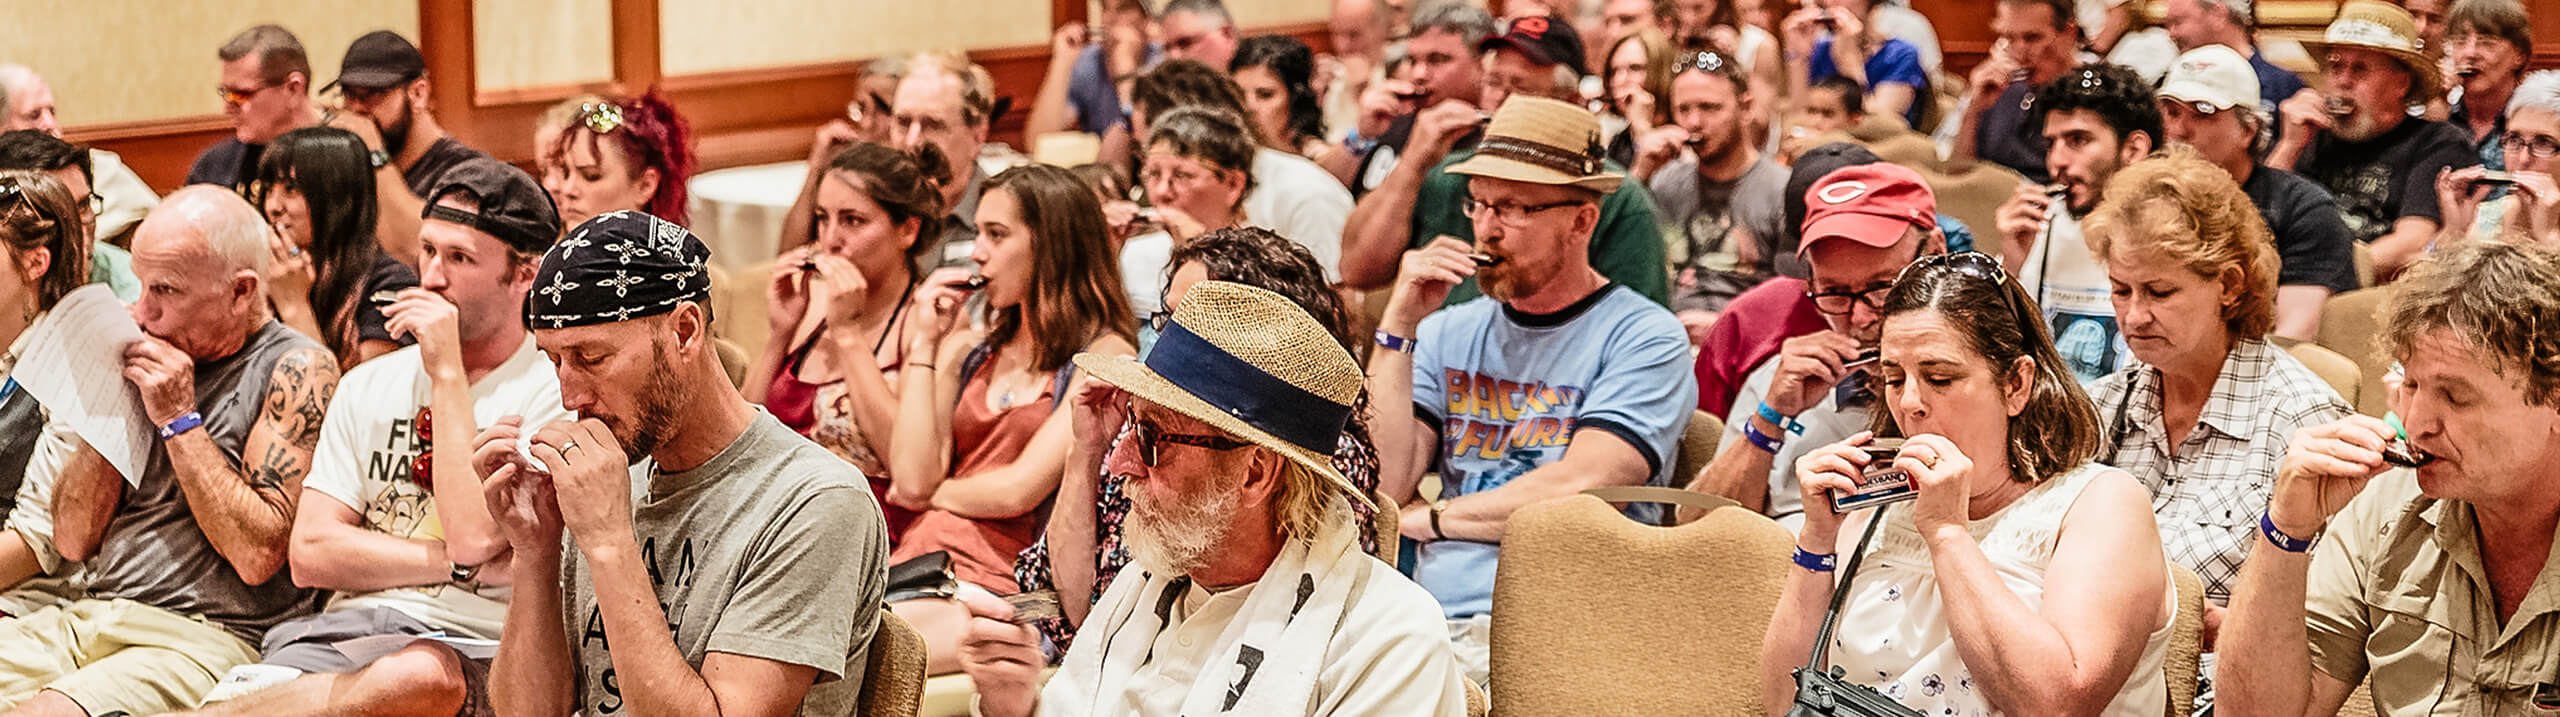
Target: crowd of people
1235,417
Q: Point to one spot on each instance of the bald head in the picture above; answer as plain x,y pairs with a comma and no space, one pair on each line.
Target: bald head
206,222
26,102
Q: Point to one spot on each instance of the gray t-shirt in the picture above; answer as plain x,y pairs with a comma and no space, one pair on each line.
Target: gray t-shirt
1699,240
154,552
773,549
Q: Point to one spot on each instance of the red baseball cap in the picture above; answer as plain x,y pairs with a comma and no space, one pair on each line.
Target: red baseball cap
1870,204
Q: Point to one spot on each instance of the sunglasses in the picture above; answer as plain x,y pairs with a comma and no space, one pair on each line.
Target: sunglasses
422,468
600,117
11,196
233,96
1708,61
1148,437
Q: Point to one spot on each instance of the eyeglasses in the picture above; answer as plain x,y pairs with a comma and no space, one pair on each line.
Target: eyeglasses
2539,146
231,96
1147,436
600,117
1511,215
96,205
1842,301
1159,320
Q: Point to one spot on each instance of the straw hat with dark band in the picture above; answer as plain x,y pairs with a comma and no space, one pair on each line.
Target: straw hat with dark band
2385,28
1251,363
1542,141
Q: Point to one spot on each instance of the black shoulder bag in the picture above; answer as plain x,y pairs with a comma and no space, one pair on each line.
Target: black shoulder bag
1822,692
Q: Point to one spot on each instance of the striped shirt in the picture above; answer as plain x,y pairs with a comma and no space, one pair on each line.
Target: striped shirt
2208,490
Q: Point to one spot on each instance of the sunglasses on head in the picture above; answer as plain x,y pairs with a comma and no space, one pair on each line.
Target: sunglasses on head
1708,61
600,117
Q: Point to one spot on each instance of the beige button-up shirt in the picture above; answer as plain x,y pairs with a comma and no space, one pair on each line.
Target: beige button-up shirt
2398,591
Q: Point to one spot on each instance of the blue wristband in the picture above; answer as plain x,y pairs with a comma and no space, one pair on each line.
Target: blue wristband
1392,342
184,424
1788,424
2287,543
1760,440
1817,562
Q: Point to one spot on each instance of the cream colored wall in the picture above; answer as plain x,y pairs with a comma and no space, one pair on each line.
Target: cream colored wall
1266,13
541,43
716,35
112,61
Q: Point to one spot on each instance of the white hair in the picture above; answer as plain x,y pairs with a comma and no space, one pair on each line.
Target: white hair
232,231
2539,91
2240,11
14,77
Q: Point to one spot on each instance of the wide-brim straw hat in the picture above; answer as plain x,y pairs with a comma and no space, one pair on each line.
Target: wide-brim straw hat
2385,28
1253,364
1542,141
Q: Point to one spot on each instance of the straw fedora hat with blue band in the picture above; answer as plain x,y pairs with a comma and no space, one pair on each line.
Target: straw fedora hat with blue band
1251,363
1542,141
2385,28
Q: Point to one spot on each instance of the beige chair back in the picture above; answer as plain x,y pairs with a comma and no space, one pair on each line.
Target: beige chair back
1597,614
1974,197
2186,641
2341,373
1697,446
738,306
2351,324
1478,703
893,679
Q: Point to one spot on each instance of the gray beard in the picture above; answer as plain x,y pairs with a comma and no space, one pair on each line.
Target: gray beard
1178,539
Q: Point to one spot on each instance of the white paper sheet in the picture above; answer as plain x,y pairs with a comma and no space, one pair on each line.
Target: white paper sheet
74,364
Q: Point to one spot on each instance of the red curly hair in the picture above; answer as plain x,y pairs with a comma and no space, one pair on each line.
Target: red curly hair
652,136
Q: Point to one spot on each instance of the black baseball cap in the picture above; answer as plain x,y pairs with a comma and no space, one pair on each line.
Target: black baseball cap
379,60
513,206
1543,39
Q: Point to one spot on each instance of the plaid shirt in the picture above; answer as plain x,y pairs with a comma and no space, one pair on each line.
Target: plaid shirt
2208,492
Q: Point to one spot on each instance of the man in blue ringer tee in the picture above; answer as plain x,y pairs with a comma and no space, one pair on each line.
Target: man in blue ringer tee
1555,381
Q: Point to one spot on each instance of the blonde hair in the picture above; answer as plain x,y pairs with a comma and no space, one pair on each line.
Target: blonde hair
2190,211
1304,501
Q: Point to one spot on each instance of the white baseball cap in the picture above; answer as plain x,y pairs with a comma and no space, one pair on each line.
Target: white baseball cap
2213,77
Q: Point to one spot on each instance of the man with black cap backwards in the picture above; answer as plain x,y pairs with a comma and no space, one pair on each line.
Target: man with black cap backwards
391,517
1249,594
1558,379
732,566
384,87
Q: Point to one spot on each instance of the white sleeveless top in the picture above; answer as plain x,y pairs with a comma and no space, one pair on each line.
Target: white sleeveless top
1893,632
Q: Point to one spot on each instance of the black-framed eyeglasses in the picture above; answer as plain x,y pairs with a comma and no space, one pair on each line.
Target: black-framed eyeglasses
91,209
1510,215
2539,146
1843,300
1147,437
1160,319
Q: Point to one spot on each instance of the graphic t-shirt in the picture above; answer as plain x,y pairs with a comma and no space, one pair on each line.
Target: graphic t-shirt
773,549
2070,284
1701,246
2310,237
2393,175
1508,390
369,443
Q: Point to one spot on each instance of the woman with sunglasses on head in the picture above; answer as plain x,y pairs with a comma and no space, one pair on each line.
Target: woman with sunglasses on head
2023,579
1274,72
316,188
2202,416
1197,170
1081,551
620,154
983,435
46,249
838,308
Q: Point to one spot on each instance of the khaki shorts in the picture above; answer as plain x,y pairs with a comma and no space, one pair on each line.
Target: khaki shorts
115,655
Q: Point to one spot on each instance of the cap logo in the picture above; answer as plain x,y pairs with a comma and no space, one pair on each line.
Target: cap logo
1531,26
1841,192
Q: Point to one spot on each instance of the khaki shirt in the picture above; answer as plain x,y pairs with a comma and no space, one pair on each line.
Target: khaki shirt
2397,591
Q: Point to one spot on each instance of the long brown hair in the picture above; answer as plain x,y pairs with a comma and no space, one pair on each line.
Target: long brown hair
36,212
1075,276
2058,429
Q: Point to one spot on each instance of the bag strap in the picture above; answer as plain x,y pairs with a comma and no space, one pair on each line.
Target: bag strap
1831,616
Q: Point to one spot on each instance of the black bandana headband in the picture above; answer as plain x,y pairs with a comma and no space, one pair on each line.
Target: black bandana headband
618,267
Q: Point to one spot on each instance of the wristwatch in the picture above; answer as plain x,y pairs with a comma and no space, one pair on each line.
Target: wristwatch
1437,507
466,575
379,158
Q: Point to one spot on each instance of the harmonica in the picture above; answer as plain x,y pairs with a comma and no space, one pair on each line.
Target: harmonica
1484,260
1880,483
2491,176
973,283
385,296
1866,357
2340,106
1034,605
2399,453
2467,72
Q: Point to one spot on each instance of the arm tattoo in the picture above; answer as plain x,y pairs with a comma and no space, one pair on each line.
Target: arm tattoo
298,395
274,468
